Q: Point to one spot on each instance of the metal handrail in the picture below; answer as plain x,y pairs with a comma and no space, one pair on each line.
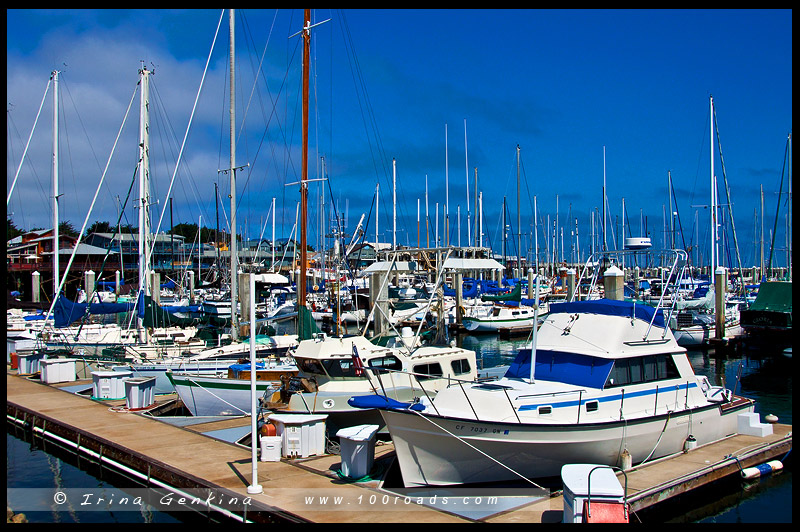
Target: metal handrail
589,489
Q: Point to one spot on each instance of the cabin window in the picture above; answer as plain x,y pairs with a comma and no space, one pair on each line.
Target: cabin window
428,371
592,406
545,410
340,368
515,313
460,366
642,369
385,363
310,365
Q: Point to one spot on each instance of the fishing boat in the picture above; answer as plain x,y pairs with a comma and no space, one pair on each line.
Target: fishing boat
601,381
228,392
769,317
334,369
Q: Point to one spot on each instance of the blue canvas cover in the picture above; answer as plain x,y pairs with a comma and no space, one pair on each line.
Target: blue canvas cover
560,366
610,307
380,401
66,312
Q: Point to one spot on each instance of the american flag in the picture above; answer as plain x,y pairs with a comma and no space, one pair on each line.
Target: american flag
357,362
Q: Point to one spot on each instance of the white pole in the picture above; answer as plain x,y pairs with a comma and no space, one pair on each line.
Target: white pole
427,218
394,204
56,265
535,324
446,191
466,168
604,198
234,257
713,195
273,235
480,224
254,486
436,233
377,205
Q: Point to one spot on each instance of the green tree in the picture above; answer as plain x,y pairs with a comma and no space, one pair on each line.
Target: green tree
11,230
100,227
66,228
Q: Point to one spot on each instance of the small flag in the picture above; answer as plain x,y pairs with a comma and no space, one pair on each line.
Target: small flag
357,362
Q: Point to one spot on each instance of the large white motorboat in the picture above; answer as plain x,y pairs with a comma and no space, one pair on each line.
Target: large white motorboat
609,381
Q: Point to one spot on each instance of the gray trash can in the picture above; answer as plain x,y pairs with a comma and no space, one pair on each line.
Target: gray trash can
357,445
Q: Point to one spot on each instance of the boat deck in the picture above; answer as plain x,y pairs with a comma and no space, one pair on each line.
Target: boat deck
187,457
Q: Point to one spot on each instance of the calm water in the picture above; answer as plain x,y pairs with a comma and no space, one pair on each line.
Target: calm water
768,379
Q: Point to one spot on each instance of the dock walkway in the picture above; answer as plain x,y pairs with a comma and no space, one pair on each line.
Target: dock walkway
187,459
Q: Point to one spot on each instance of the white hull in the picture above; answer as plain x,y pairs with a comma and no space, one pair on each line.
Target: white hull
221,396
429,456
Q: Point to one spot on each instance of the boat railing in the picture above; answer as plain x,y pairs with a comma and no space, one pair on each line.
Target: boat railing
676,257
419,378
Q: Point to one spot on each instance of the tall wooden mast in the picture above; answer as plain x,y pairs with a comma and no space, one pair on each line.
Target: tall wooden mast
301,289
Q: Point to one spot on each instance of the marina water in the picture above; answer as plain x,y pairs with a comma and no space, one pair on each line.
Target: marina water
766,377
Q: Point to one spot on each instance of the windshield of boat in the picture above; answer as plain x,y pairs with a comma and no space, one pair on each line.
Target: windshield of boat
342,368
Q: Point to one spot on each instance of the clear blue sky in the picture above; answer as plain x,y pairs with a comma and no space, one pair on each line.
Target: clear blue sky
386,84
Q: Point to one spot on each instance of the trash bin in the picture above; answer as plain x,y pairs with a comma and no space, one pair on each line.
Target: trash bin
357,445
139,392
271,448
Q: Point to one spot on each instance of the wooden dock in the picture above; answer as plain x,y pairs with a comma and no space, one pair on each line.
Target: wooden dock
184,458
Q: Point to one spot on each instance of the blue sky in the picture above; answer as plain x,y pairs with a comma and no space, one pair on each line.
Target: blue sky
386,84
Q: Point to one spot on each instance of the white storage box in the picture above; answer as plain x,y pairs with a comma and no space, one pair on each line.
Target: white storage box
301,435
139,392
109,384
605,487
57,370
271,448
29,362
357,446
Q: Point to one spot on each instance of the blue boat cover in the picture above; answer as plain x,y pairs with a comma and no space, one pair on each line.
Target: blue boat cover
381,401
66,312
610,307
559,366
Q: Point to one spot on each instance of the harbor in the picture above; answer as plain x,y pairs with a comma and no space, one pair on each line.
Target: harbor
521,350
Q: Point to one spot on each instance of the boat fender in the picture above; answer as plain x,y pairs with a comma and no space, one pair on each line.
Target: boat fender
689,444
626,460
762,469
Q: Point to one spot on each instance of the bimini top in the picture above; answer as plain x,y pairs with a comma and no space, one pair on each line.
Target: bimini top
611,307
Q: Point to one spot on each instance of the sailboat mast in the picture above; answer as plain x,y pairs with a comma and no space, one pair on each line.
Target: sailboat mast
519,222
713,195
234,257
144,185
56,265
301,289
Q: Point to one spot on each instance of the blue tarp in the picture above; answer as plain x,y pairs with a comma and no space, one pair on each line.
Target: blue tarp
65,311
610,307
469,289
380,401
559,366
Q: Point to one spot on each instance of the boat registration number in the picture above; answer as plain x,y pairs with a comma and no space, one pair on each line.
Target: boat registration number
475,429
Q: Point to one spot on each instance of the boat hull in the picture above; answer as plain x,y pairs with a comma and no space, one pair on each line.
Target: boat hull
429,455
221,396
